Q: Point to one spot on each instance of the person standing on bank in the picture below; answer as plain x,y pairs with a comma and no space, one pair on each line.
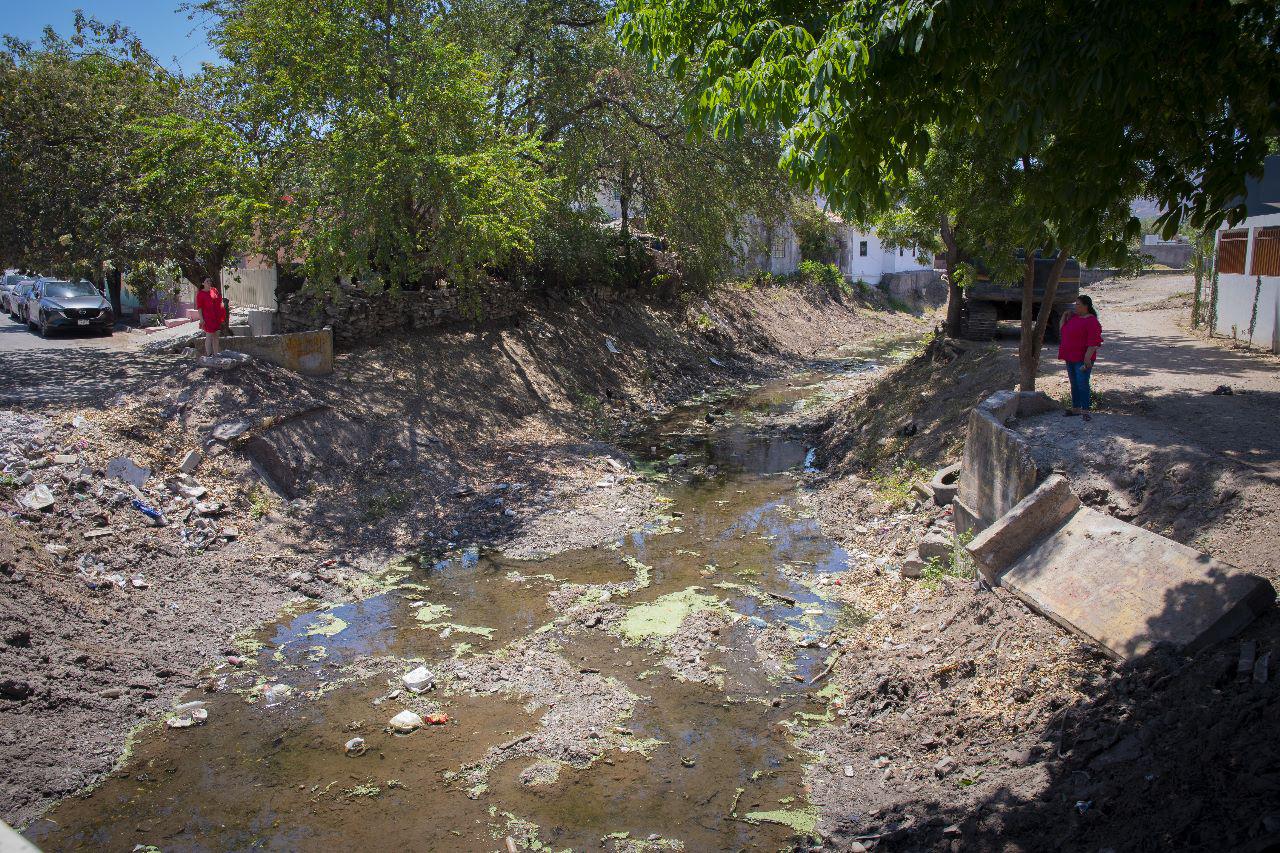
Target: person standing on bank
1078,347
212,314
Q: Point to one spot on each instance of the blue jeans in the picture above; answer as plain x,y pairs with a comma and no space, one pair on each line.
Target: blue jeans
1079,374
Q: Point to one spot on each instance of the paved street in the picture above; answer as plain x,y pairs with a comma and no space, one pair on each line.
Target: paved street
68,368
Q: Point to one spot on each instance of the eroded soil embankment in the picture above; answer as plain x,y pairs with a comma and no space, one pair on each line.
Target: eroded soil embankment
497,434
963,721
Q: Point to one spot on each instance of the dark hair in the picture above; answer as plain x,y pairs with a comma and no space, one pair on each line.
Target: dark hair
1088,304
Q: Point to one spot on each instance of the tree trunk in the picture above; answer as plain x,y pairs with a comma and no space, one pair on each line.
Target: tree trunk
1029,351
1027,360
954,296
115,284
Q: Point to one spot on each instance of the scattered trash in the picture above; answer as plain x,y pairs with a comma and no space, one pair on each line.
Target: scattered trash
148,510
123,468
1083,806
848,771
138,582
187,715
355,747
229,430
187,487
757,622
274,694
405,722
436,719
717,362
1223,391
419,680
611,346
38,498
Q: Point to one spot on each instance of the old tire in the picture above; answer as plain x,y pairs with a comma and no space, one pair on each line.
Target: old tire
978,321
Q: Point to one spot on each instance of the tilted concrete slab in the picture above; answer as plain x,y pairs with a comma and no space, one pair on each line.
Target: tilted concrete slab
1124,587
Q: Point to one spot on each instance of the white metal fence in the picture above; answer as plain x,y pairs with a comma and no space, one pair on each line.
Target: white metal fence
254,288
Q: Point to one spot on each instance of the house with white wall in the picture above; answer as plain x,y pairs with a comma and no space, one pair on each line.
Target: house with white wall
1248,266
859,254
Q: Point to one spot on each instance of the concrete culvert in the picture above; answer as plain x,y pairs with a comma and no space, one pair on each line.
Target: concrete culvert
945,484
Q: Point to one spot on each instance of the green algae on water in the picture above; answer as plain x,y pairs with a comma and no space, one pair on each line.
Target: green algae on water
330,626
802,821
662,616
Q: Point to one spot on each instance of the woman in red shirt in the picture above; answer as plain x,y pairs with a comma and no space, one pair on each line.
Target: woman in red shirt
212,314
1078,347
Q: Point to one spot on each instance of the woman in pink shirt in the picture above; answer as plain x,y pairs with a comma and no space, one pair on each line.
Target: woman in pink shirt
1078,347
212,314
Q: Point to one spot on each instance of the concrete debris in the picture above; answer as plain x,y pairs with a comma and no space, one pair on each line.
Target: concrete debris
125,469
419,680
936,545
190,462
913,567
405,722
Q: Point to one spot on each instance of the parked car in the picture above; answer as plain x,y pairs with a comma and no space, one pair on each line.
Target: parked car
57,304
8,284
16,301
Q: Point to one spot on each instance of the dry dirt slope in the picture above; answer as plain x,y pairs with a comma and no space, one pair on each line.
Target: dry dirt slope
469,435
966,722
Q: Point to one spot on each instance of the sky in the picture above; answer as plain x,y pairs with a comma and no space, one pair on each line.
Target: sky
173,39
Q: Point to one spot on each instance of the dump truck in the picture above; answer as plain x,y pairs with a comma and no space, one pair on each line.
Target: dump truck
987,302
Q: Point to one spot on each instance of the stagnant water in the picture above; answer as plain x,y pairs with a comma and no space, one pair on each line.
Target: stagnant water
711,765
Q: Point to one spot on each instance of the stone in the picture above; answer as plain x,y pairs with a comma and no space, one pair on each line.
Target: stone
935,545
38,498
125,469
191,462
418,680
405,722
913,567
944,766
65,458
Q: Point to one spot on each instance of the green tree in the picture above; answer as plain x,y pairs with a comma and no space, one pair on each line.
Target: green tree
1086,105
391,167
65,184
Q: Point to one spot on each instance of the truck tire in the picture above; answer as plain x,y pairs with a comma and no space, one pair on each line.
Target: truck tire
978,321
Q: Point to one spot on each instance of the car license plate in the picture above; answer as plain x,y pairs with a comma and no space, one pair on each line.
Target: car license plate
82,322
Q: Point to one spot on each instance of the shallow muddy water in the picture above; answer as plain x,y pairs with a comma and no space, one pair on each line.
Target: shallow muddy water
639,695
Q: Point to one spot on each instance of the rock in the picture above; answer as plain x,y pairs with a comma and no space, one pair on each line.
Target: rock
419,680
125,469
13,689
191,462
405,722
230,429
913,567
935,545
944,766
1223,391
39,498
355,747
65,459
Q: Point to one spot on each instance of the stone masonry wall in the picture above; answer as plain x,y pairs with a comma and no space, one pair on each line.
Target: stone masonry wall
357,316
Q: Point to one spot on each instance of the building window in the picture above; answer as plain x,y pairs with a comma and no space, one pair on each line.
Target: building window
1232,247
779,247
862,248
1266,251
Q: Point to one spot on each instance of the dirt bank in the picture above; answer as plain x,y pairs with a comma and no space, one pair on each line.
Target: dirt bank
960,720
306,487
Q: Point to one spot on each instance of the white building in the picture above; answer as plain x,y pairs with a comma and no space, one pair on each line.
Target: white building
1248,266
859,254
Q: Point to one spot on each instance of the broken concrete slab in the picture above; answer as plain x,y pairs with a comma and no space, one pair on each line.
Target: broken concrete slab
125,469
190,462
1123,587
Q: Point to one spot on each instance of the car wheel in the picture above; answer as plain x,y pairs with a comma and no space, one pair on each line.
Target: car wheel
44,327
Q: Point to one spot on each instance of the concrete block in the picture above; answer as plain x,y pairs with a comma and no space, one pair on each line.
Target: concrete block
260,322
1033,518
1123,587
308,353
997,470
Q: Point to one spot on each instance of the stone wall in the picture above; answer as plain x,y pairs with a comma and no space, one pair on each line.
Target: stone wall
357,316
918,287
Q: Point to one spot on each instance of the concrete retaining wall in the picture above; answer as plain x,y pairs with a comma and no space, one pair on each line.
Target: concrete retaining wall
1236,309
309,353
919,287
356,315
998,470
